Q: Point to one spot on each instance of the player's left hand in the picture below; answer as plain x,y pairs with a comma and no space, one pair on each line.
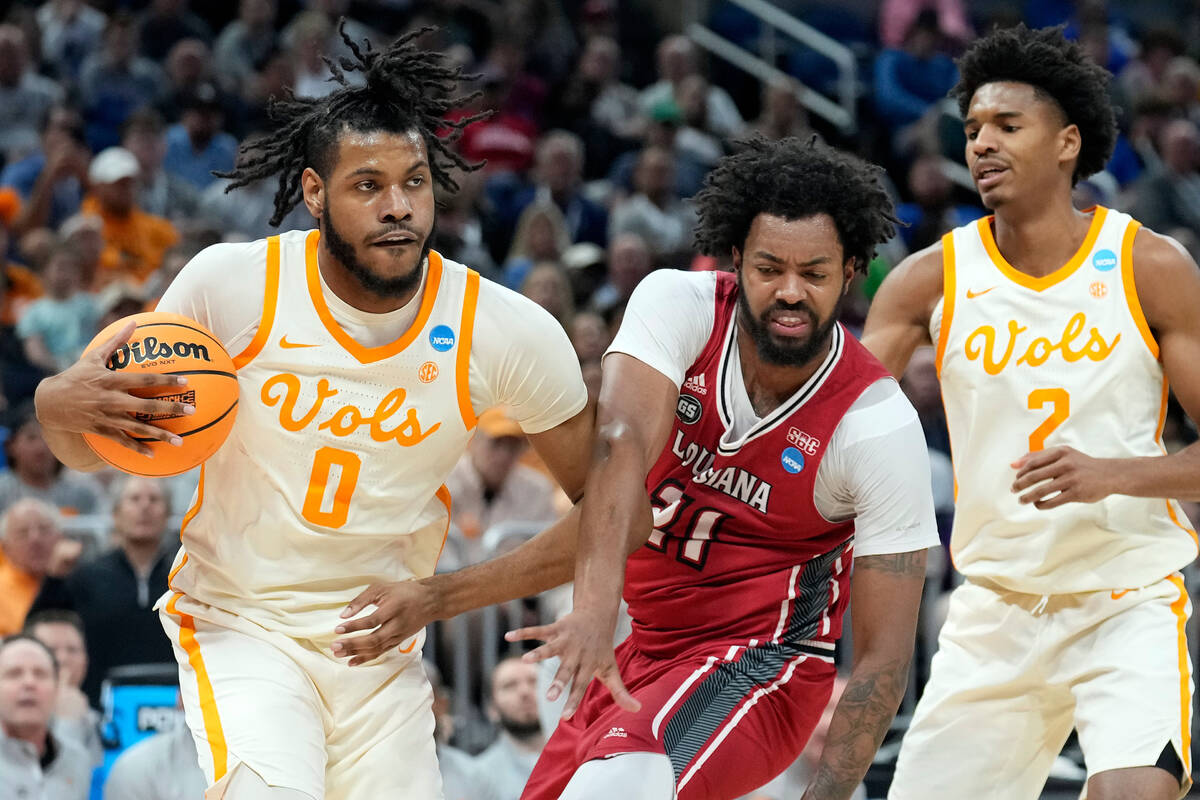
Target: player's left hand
1060,475
402,609
583,643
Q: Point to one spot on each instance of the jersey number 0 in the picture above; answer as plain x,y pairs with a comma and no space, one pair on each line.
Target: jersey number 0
318,509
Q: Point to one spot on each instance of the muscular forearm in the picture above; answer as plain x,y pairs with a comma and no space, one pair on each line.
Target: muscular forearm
614,522
862,717
545,561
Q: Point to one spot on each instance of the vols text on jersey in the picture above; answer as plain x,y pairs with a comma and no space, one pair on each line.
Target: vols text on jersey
347,419
981,345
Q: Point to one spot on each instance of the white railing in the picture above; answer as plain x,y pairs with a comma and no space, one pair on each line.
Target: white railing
840,110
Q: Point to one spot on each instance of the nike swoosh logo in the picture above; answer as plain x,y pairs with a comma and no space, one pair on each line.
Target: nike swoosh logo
972,295
286,345
1120,594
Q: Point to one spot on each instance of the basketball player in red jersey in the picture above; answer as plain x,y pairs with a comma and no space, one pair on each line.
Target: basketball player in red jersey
1056,330
777,454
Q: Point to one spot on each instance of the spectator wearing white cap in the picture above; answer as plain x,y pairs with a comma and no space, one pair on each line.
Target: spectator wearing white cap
134,241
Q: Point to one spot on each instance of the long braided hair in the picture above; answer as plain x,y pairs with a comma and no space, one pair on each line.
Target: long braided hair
406,89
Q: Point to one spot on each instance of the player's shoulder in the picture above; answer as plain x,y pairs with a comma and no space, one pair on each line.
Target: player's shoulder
1155,253
881,409
511,316
232,263
673,281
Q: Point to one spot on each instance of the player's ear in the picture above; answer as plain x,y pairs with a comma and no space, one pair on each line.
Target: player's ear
737,260
314,191
1070,143
848,275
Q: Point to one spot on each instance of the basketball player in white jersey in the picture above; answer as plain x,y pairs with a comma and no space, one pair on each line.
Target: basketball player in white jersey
1055,331
363,359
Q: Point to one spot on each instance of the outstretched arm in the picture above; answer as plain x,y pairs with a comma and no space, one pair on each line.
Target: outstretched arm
898,320
1168,286
885,593
635,416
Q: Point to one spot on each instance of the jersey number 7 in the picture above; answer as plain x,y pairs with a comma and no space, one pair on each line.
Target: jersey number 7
671,507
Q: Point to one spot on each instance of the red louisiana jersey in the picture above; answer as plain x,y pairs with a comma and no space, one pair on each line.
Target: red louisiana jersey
740,554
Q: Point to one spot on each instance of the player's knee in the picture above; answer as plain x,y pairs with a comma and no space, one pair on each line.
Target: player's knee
246,784
628,776
1136,783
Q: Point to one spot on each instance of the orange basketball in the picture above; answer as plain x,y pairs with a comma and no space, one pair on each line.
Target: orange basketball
170,344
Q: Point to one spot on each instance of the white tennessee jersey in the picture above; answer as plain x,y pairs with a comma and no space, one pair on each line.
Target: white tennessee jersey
1030,363
332,476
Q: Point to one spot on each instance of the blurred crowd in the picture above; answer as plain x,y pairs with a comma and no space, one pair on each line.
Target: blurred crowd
115,115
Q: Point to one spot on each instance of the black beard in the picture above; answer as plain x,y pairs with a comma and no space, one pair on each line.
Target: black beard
521,730
785,355
368,279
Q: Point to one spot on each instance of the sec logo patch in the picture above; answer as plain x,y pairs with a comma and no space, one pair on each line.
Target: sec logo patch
428,372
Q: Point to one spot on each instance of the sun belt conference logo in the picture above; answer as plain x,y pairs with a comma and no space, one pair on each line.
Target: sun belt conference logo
441,338
1104,260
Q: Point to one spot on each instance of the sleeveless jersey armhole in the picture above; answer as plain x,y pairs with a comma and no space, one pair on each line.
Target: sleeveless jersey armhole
270,300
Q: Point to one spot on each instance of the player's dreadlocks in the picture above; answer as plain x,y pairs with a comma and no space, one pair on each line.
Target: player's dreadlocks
793,179
1060,71
406,89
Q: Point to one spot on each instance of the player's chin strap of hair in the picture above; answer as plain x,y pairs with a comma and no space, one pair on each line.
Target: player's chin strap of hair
629,776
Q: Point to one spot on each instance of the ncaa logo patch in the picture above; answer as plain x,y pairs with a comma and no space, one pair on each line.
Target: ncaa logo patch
792,460
1104,260
687,409
441,338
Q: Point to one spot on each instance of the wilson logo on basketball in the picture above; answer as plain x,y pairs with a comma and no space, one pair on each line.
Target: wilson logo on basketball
151,349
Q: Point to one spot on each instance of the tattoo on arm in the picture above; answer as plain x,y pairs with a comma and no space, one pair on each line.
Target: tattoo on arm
910,564
859,723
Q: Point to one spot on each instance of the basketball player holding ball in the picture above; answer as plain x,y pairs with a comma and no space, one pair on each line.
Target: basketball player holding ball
363,359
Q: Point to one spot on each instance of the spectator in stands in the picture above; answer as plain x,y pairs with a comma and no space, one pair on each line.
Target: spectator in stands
58,326
512,705
159,192
114,594
246,210
1170,198
196,145
85,233
589,336
34,762
31,547
134,241
897,16
596,94
33,471
189,64
307,38
505,139
50,181
245,43
1181,86
115,81
490,485
782,115
677,60
459,232
932,210
910,79
71,31
663,130
548,286
117,300
628,262
541,235
168,22
25,96
19,286
655,213
696,135
74,719
558,169
462,779
1145,74
164,766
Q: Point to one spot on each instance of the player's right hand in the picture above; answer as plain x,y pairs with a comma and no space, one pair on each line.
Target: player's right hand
88,397
583,643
